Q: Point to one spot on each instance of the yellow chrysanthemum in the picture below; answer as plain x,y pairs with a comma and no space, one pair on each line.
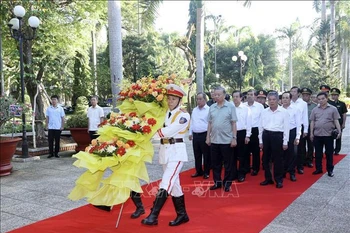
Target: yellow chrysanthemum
120,143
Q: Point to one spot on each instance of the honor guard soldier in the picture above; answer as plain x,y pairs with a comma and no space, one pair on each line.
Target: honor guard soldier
341,106
172,155
325,88
261,98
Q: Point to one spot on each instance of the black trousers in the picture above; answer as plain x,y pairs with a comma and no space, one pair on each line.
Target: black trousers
222,153
201,152
93,135
327,142
290,155
240,155
301,147
307,155
273,151
338,143
54,135
253,147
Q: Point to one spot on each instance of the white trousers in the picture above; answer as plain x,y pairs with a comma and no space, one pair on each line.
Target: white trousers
171,180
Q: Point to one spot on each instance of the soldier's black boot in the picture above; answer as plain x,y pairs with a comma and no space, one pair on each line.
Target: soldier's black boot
158,204
136,198
182,217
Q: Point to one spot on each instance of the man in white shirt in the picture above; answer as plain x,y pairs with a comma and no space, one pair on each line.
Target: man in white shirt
198,135
253,145
290,155
273,138
302,106
96,116
244,129
54,124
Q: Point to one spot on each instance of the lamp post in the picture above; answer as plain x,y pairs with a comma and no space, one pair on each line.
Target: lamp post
242,59
17,32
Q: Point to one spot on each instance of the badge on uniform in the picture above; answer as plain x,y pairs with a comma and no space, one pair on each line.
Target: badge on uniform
182,120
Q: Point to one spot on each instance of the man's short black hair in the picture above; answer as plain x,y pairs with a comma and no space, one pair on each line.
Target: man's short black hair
323,93
54,97
295,87
237,91
287,92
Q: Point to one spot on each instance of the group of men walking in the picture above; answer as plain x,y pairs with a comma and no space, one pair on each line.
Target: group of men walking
288,129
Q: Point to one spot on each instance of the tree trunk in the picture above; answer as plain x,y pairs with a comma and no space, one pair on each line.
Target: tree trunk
2,92
332,31
200,49
323,11
115,47
290,63
94,66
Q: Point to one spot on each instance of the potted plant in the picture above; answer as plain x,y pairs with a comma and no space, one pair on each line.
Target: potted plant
7,144
78,124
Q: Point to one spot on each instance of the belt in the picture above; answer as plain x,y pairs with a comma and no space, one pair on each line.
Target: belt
199,133
272,132
170,140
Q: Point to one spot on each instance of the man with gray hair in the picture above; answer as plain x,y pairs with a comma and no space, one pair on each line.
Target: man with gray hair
222,137
198,135
273,138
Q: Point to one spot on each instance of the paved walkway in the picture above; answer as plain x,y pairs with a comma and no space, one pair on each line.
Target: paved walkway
37,190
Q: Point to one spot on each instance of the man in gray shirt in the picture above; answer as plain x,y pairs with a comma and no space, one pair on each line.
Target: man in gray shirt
221,136
324,119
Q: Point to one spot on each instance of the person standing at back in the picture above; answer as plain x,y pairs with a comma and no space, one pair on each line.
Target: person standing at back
198,135
95,115
55,124
302,106
308,155
244,131
253,145
340,105
222,137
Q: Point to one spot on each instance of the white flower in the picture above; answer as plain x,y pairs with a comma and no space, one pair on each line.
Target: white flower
111,149
128,123
135,120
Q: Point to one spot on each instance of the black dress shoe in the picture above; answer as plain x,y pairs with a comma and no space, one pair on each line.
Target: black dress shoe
241,179
300,171
292,177
205,176
310,165
254,173
279,185
215,187
196,175
266,182
57,156
317,172
330,174
50,156
336,152
227,189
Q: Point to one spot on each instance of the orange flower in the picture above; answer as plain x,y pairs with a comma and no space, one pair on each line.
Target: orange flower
120,143
160,97
94,142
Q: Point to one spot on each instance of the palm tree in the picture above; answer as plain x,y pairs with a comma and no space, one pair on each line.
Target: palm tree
289,33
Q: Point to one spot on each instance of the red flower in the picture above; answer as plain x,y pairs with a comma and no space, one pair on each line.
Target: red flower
131,143
102,146
151,121
121,151
92,149
146,129
135,127
132,114
103,123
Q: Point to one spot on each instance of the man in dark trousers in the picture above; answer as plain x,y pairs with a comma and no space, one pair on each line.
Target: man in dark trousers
324,119
273,138
253,145
308,154
222,137
341,106
198,135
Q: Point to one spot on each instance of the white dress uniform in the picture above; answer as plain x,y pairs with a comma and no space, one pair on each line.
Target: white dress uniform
172,156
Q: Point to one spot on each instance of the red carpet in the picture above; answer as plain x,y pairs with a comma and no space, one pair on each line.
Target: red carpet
249,207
